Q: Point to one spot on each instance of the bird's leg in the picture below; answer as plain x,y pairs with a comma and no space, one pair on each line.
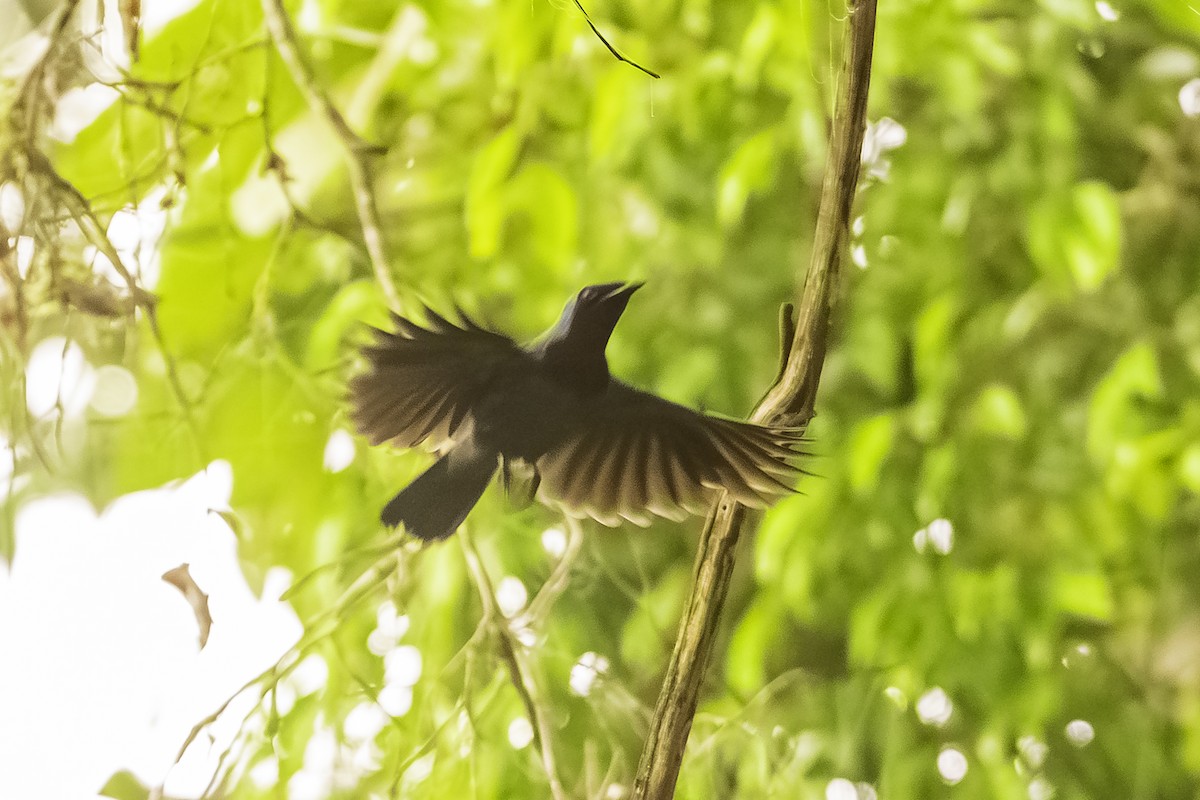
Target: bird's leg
535,483
520,480
506,476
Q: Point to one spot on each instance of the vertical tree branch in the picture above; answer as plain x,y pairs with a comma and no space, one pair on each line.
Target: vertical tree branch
511,653
358,152
791,399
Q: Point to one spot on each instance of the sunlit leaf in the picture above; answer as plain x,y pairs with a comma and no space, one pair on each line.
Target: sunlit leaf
485,206
612,112
932,342
998,411
1113,404
1077,235
124,785
1086,594
757,41
748,171
869,447
756,631
540,196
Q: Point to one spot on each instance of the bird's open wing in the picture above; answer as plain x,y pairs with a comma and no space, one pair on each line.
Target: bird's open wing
638,454
423,381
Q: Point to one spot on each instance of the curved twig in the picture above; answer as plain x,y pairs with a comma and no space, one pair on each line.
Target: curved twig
790,400
615,52
358,151
511,653
25,118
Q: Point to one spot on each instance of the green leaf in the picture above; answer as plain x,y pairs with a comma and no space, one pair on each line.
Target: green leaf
353,304
485,207
645,639
1084,594
613,113
932,343
869,446
875,352
124,785
1189,468
980,601
209,268
1076,235
1081,13
998,411
757,42
1112,414
939,469
749,170
540,196
758,629
98,162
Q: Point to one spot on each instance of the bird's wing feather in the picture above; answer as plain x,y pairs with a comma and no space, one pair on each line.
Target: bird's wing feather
422,381
636,454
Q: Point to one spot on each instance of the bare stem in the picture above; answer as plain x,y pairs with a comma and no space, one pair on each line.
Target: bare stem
790,400
511,652
358,151
615,52
81,211
31,105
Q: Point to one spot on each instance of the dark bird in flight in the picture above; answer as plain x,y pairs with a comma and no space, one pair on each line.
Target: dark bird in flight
598,447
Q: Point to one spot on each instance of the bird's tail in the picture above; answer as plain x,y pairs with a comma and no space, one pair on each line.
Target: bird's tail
436,503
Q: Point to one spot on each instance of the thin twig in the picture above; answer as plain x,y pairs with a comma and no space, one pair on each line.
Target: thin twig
539,606
81,210
26,100
616,53
358,151
790,401
30,104
322,626
511,654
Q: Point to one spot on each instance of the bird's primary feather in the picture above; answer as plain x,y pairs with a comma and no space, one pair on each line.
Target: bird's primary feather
634,453
601,447
424,381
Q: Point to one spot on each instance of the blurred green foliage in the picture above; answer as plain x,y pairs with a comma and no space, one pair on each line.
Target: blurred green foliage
1017,352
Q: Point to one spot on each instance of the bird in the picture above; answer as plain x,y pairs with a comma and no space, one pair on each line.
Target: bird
598,447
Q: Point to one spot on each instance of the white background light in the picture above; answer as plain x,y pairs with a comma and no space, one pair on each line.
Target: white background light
402,666
94,635
952,765
585,672
339,451
115,391
840,789
934,707
1080,732
554,542
520,733
511,595
57,374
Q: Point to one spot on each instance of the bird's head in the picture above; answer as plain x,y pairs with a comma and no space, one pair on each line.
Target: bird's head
573,350
593,313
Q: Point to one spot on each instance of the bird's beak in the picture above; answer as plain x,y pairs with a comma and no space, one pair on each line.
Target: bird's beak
624,291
